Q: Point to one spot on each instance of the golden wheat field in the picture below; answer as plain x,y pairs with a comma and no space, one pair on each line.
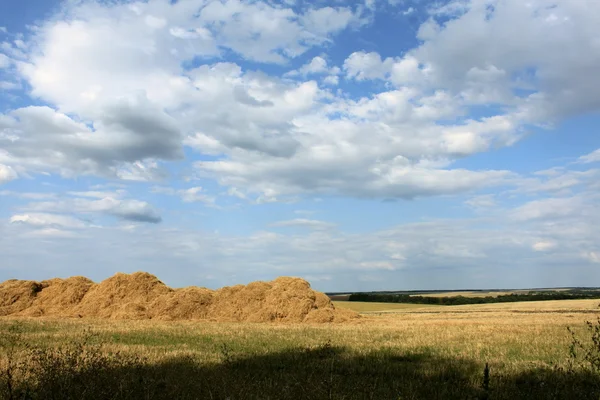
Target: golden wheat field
397,353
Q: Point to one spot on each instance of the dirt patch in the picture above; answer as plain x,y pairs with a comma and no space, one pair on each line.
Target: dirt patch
143,296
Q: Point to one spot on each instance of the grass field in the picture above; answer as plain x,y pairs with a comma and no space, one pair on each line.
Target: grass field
412,353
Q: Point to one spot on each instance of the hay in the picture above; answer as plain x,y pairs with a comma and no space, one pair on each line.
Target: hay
16,296
122,296
58,297
181,304
142,296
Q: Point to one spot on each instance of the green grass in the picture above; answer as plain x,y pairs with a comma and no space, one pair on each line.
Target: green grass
399,356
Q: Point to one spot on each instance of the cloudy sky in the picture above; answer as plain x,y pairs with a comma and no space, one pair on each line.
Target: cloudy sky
362,145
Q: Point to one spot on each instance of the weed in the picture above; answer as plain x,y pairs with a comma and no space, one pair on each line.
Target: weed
485,385
586,353
9,342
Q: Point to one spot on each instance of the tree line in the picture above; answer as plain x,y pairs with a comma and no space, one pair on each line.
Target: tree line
459,300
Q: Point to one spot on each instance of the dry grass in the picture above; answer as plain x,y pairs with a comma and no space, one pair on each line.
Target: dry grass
429,352
364,306
466,331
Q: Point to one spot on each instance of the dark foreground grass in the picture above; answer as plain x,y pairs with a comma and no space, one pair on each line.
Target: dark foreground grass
408,357
83,369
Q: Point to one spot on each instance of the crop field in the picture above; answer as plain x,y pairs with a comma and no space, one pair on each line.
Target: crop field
365,307
405,353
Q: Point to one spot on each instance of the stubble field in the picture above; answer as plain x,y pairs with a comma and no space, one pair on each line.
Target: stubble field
394,353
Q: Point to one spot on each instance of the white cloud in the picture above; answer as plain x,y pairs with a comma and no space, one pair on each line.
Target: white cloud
190,195
360,66
592,157
318,65
125,132
261,32
7,173
195,194
48,220
303,223
125,209
543,245
331,80
124,109
551,208
558,181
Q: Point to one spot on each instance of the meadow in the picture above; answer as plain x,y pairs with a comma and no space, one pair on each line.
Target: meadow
390,353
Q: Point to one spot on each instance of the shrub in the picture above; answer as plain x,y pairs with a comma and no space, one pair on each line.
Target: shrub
586,352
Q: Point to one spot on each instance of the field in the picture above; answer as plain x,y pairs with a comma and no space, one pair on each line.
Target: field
366,307
401,353
473,293
555,306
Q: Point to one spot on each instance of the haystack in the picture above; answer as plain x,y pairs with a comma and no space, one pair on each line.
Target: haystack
59,297
282,300
187,303
123,296
16,296
142,296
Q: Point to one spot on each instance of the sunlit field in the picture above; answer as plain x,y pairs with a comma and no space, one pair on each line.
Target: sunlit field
362,307
413,352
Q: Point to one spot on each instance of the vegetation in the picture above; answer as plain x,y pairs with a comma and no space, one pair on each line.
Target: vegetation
401,356
460,300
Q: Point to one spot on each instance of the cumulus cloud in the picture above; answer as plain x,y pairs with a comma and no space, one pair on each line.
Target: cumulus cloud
47,140
317,66
125,209
561,83
122,108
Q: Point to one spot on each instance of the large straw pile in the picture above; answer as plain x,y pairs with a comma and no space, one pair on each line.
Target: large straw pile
143,296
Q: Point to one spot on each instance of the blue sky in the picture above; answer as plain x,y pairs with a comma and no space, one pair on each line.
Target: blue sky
362,145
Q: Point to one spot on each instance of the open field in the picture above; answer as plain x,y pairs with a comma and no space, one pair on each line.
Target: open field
364,306
427,353
549,306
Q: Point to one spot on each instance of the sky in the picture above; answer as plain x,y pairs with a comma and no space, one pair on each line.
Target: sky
361,145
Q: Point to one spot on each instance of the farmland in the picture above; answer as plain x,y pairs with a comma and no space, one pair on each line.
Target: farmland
391,352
